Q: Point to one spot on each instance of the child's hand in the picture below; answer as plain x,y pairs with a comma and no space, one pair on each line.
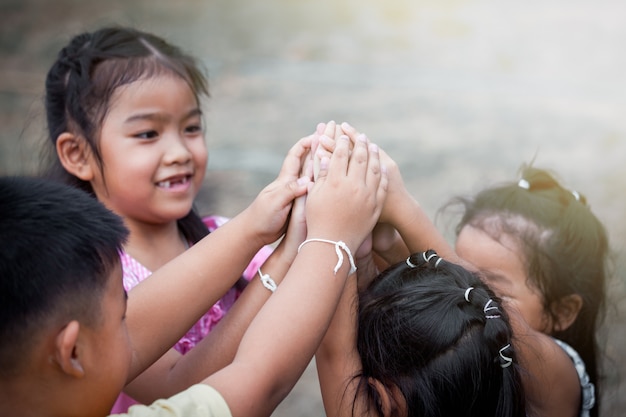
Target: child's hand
324,132
271,207
346,200
396,190
296,231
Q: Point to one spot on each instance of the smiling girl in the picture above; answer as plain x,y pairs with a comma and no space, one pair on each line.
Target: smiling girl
125,124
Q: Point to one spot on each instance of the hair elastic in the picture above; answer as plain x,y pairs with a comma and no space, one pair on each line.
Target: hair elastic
339,245
488,307
523,183
429,257
267,281
505,360
575,194
467,293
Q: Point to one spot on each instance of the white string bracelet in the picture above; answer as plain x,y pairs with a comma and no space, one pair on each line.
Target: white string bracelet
267,281
339,245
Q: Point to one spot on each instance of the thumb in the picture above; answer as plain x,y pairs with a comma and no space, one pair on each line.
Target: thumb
301,186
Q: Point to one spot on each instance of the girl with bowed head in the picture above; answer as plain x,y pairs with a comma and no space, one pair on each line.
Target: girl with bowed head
541,248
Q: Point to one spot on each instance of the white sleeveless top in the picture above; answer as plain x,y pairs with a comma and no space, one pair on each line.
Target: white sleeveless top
588,394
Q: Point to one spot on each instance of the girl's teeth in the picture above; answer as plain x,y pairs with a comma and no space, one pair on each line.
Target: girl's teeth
165,184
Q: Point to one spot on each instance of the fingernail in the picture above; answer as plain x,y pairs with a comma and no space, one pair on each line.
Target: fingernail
346,126
320,128
373,147
361,137
303,180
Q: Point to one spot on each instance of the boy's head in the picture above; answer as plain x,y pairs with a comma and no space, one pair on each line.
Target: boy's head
61,297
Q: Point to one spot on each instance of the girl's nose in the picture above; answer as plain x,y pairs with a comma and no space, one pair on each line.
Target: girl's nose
177,151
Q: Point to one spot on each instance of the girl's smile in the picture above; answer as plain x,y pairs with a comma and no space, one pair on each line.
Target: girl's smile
178,183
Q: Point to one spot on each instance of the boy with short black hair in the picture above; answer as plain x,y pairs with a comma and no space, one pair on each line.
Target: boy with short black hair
64,345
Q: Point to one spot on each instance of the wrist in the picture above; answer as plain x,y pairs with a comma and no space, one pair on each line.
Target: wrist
341,249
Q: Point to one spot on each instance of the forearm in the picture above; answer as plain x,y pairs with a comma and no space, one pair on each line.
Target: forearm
174,372
218,348
417,230
337,358
186,288
297,316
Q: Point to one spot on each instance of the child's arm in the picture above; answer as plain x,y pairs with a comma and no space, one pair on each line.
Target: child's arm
174,372
163,307
285,334
405,214
337,358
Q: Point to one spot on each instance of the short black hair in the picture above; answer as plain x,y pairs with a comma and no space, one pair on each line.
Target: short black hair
58,247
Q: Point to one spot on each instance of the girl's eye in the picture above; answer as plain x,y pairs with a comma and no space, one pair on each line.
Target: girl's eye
150,134
193,129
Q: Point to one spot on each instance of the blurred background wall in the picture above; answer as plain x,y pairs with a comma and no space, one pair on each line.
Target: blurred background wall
460,93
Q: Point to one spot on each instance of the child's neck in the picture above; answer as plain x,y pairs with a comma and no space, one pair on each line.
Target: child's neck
155,245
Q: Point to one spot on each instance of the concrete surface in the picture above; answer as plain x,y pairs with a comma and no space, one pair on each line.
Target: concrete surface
460,93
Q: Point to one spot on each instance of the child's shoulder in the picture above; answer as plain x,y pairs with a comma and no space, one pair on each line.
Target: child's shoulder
554,385
197,400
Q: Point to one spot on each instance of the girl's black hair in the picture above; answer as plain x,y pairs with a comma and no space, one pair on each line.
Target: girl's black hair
446,355
82,80
564,246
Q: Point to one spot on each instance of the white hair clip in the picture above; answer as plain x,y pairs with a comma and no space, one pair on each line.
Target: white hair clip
524,184
488,307
505,360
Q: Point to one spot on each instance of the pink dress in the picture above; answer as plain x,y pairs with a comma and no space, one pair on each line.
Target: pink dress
134,273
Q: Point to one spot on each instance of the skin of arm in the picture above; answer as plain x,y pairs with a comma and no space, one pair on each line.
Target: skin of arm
174,372
191,283
284,335
337,358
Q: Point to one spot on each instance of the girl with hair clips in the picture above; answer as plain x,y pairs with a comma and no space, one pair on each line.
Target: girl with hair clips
540,247
425,338
577,248
125,124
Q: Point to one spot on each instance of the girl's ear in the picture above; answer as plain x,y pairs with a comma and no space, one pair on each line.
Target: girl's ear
392,402
566,310
67,353
75,155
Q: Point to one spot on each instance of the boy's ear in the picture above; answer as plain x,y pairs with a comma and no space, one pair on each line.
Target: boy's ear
67,353
75,155
566,310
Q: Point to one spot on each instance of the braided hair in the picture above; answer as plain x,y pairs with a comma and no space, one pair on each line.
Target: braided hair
82,80
435,331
